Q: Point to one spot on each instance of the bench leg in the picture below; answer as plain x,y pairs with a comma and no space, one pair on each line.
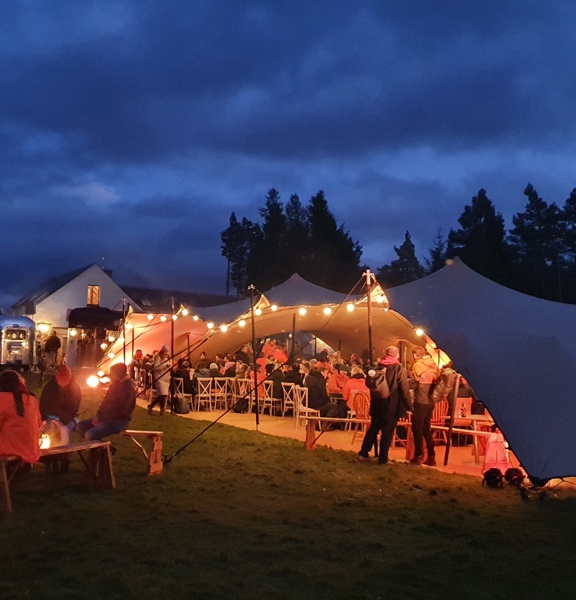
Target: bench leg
310,443
155,464
5,487
99,474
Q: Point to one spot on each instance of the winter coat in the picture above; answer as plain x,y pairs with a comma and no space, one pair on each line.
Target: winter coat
162,375
118,403
317,393
61,402
400,401
20,436
356,382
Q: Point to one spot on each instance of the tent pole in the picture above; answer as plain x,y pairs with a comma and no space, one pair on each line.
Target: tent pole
451,422
369,306
124,331
292,354
251,288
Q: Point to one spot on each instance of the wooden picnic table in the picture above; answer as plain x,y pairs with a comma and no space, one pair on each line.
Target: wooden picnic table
95,456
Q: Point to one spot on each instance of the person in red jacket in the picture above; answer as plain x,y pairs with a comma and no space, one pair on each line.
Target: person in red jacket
19,419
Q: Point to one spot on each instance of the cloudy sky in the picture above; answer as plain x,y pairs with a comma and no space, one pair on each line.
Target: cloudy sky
130,130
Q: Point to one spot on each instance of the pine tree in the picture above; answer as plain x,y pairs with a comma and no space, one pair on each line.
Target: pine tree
404,269
237,241
480,242
437,254
538,241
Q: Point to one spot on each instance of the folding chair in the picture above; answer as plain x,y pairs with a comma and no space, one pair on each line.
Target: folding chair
288,393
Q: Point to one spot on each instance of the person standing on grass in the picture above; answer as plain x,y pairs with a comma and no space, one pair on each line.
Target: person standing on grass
424,373
115,412
385,412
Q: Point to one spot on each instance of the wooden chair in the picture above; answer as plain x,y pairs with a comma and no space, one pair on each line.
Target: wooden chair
204,394
241,388
268,401
220,392
179,390
361,404
440,417
301,404
406,424
288,393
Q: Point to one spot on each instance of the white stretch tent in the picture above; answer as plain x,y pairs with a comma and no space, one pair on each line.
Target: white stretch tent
517,351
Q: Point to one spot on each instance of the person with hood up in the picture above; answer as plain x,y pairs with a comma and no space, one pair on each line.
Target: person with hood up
385,412
424,373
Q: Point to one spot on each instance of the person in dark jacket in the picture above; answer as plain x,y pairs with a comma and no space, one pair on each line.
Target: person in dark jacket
61,398
385,412
115,412
318,398
293,375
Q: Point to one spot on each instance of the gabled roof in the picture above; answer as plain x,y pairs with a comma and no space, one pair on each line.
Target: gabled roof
47,288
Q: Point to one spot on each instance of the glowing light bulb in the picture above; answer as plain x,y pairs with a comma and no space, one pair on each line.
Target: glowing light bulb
302,311
223,328
350,307
195,317
327,310
149,317
185,312
210,325
242,323
274,308
92,381
258,312
174,317
163,318
419,332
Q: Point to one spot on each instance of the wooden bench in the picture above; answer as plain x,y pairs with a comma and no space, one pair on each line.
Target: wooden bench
95,456
154,458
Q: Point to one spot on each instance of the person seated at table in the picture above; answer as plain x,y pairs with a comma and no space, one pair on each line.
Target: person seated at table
337,380
293,374
357,381
279,354
203,362
318,398
182,371
241,369
275,375
19,418
60,398
115,412
230,369
214,370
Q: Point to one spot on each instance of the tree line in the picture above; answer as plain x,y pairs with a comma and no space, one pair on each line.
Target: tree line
536,256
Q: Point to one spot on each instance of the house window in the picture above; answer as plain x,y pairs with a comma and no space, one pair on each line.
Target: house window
93,295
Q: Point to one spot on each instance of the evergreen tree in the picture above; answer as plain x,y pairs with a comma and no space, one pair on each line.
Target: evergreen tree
538,241
437,254
237,241
569,225
480,242
404,269
334,256
296,244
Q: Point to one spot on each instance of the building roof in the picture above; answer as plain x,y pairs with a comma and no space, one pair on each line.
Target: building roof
45,289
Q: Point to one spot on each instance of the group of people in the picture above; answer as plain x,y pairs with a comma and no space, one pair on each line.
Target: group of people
22,414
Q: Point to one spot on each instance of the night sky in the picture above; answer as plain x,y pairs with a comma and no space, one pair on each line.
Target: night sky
131,130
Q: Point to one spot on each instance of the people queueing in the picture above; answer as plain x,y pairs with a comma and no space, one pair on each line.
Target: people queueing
162,378
385,411
60,398
51,348
19,418
115,412
424,373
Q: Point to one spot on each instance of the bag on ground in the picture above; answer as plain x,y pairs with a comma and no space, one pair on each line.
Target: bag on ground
180,406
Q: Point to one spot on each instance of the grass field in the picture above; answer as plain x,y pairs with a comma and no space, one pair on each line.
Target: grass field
242,515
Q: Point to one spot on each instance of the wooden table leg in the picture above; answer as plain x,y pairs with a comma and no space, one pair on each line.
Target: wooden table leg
310,443
5,487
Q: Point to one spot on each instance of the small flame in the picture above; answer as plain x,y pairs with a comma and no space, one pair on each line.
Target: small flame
44,441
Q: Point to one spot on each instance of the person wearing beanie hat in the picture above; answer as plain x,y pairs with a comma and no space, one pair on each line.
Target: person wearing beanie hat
60,398
214,370
115,412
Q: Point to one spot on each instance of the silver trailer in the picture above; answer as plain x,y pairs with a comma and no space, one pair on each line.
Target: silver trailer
17,342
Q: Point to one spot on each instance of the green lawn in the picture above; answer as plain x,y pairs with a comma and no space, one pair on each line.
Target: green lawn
243,515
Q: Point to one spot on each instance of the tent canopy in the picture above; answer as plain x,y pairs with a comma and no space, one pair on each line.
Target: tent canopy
516,351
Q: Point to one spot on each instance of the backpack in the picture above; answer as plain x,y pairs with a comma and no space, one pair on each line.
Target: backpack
381,384
180,406
493,478
443,385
